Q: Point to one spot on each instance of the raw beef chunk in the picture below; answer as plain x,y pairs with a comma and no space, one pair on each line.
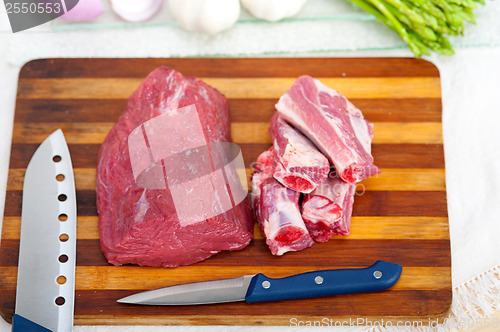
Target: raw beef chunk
327,210
277,210
299,165
141,226
333,124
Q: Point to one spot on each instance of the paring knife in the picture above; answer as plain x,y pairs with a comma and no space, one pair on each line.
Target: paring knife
259,288
47,252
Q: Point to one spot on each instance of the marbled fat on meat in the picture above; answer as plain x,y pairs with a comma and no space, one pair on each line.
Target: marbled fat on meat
140,226
264,168
333,124
299,164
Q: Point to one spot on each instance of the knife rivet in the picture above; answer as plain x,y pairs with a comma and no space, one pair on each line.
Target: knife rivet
266,284
377,274
318,280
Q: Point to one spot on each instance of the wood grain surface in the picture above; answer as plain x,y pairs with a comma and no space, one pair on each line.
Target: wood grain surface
399,216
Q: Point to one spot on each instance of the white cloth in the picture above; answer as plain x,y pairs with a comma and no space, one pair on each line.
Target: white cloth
323,27
470,84
471,112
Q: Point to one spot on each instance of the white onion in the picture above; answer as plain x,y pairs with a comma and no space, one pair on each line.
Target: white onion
85,10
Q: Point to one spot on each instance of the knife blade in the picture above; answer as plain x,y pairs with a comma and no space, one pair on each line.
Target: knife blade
47,249
259,288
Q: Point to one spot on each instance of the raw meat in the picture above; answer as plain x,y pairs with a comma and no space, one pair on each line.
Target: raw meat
280,219
277,210
141,226
327,210
298,164
333,124
264,168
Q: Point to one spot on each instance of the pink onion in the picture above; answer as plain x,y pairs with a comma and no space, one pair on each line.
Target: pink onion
136,10
85,10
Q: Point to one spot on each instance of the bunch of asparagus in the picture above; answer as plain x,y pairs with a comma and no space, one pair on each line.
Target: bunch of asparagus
423,23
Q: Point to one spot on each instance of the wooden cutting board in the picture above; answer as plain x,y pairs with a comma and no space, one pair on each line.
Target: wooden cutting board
399,216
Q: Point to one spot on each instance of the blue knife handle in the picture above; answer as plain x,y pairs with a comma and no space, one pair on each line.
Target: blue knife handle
381,275
21,324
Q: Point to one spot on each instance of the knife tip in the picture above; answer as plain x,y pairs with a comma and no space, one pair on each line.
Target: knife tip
125,300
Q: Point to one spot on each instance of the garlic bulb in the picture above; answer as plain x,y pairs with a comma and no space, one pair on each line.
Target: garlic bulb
273,10
207,16
136,10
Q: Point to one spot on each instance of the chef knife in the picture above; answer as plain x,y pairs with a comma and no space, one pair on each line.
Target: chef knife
259,288
46,270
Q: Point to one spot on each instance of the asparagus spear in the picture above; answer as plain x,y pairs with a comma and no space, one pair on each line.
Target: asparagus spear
422,24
